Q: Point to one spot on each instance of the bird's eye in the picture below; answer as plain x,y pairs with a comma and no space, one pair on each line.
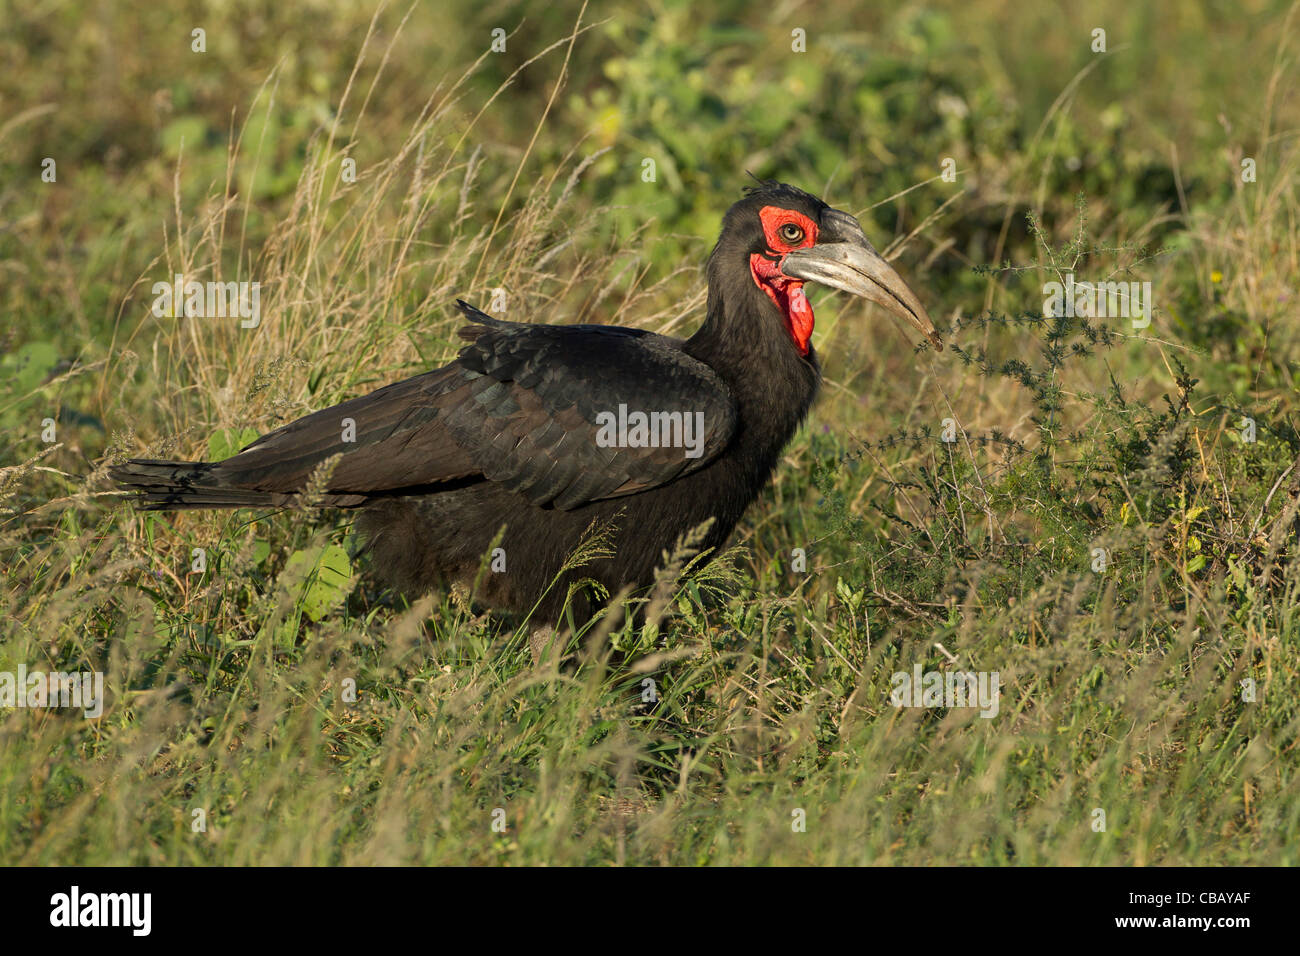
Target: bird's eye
791,233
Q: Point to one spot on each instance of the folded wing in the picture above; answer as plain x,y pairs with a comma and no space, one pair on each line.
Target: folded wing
533,407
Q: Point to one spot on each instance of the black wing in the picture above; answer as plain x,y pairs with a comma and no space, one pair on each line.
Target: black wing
529,406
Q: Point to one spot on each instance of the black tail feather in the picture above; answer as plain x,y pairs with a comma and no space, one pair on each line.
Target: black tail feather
180,485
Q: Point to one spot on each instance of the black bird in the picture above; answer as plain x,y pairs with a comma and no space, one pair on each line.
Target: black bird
536,427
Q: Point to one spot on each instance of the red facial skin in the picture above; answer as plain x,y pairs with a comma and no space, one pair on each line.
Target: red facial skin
787,293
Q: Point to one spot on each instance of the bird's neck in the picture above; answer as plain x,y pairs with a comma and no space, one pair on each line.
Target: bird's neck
772,384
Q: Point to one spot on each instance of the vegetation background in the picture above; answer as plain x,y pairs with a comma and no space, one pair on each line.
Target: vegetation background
522,170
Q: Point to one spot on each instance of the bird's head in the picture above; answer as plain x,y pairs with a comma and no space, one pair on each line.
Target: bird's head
779,237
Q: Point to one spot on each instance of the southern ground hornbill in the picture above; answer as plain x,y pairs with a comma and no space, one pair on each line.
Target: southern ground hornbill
539,428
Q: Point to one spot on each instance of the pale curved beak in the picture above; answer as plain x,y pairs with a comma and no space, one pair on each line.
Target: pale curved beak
849,263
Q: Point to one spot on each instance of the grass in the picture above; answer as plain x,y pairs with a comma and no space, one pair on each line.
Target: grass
268,705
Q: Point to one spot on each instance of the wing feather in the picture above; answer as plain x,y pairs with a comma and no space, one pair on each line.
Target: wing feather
521,405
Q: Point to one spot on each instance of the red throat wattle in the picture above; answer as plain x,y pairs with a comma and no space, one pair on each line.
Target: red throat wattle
786,293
